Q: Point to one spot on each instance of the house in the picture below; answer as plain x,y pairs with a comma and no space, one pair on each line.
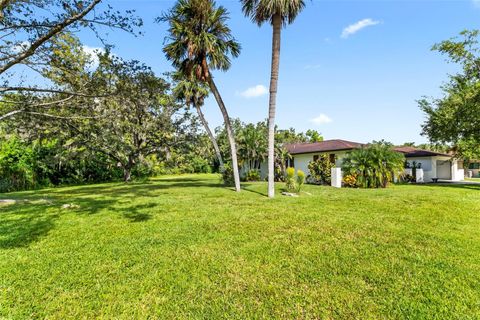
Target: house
473,169
433,164
303,153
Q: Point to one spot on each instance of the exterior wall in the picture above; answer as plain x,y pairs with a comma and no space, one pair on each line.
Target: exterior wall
263,170
441,167
428,166
301,161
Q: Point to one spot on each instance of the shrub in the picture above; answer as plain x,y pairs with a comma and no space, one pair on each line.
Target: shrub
253,175
350,181
374,165
321,170
227,175
300,179
290,180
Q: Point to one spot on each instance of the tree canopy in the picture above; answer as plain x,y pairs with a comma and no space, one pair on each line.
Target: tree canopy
455,117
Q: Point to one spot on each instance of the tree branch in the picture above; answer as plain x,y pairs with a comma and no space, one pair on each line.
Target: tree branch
40,41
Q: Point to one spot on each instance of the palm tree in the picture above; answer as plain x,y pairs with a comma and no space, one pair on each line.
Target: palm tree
278,13
200,41
252,145
194,93
375,165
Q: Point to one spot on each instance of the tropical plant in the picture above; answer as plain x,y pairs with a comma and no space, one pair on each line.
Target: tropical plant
227,175
321,170
253,175
300,179
252,145
194,92
200,41
278,13
290,183
281,157
349,181
374,165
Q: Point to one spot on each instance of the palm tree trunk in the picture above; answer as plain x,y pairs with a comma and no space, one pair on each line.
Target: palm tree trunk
211,136
228,127
277,27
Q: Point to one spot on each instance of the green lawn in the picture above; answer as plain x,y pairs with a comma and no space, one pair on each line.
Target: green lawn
184,247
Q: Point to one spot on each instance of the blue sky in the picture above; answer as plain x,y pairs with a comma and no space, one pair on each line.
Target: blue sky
349,69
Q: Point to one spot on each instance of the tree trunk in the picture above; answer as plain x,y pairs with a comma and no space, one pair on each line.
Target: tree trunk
228,127
127,175
127,170
277,27
211,136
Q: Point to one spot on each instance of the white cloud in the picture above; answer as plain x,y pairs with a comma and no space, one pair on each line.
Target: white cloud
253,92
92,52
357,26
321,119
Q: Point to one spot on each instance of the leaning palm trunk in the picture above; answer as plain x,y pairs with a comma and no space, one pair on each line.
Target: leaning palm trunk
228,127
211,136
277,26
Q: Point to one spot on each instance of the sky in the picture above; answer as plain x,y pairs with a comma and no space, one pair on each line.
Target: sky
352,70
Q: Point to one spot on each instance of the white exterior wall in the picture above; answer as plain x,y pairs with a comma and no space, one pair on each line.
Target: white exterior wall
431,168
301,161
428,165
263,170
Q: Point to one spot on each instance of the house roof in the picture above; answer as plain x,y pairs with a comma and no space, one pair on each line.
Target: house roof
323,146
411,152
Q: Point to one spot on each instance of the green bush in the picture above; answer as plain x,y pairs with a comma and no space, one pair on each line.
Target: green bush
300,179
374,165
227,175
253,175
321,170
290,184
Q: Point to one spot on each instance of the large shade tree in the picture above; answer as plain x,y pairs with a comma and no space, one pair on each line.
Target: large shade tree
455,117
200,41
29,33
278,13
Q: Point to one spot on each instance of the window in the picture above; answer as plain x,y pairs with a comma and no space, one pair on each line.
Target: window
332,158
474,166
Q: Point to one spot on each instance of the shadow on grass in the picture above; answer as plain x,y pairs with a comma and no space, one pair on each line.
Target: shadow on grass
24,223
134,214
250,187
21,225
469,186
148,189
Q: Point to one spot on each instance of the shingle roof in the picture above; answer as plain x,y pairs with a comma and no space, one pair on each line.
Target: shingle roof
323,146
411,152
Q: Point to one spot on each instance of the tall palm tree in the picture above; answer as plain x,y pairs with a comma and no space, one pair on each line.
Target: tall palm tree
201,41
278,13
194,93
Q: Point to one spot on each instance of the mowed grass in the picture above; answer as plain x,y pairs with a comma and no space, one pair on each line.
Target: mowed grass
187,248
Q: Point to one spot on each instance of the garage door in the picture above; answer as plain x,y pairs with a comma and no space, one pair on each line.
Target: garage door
444,170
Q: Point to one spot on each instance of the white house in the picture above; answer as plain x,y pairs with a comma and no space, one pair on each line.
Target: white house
434,165
303,153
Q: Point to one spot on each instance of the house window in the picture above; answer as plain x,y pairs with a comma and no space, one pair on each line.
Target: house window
332,158
474,166
315,157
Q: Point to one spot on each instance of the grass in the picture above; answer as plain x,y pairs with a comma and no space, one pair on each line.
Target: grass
184,247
